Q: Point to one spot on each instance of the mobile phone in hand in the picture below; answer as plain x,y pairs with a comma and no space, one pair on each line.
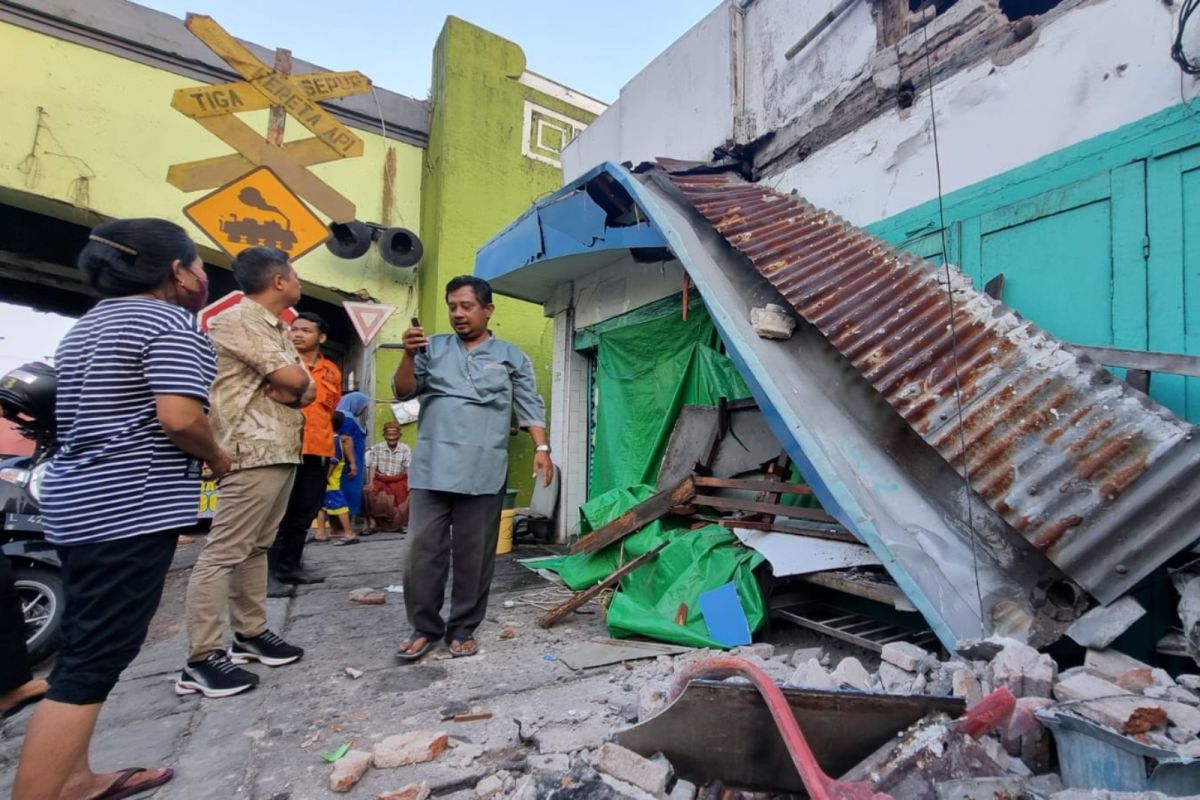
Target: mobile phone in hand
416,323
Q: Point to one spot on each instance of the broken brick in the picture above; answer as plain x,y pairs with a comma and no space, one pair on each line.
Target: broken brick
414,791
348,770
410,748
1023,671
851,673
1110,664
626,765
812,675
367,596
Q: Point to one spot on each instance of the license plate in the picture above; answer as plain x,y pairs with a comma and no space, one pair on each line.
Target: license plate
23,522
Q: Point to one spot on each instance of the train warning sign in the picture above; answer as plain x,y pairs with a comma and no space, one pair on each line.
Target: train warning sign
258,210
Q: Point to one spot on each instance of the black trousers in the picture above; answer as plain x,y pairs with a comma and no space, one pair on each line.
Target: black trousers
287,553
14,660
441,525
112,591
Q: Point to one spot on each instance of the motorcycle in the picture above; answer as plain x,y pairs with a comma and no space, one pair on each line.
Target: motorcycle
27,397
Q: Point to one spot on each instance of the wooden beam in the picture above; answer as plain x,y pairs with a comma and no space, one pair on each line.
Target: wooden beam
838,535
753,507
637,517
580,598
752,485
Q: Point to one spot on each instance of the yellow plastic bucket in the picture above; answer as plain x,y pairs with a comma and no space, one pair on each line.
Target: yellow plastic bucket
505,539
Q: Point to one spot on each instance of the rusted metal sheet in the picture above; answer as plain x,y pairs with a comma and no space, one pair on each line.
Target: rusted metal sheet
1085,468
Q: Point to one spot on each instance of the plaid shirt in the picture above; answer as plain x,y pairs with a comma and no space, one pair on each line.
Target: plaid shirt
387,461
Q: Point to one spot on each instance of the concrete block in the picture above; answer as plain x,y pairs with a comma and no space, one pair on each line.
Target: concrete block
1101,626
628,766
907,656
772,322
348,770
851,673
490,786
1182,716
964,684
410,748
1189,682
682,790
1110,664
805,654
811,675
1023,670
1084,686
981,788
571,738
895,680
763,650
414,791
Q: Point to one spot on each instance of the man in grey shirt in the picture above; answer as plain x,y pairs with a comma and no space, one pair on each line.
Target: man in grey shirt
468,383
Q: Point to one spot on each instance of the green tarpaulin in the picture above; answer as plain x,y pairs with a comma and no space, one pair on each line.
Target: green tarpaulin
693,562
648,366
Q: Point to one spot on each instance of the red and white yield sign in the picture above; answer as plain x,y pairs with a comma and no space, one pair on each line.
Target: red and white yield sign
368,318
227,302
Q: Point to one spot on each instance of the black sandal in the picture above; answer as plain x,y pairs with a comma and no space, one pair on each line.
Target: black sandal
403,653
460,640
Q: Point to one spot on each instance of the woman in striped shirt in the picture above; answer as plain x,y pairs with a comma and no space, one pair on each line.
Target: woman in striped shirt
133,382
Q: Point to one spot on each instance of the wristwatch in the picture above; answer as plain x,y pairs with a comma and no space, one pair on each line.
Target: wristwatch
542,448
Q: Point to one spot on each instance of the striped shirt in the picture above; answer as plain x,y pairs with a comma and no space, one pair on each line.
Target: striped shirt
116,473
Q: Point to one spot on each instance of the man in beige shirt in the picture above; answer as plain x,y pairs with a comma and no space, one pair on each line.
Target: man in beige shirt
261,386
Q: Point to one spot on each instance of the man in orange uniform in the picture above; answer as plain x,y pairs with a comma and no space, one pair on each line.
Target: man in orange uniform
286,556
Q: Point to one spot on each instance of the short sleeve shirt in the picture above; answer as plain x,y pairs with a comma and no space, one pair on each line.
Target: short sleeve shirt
116,474
318,415
387,461
253,429
467,402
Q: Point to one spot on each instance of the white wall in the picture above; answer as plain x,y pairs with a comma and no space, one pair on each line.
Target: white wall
679,106
1067,88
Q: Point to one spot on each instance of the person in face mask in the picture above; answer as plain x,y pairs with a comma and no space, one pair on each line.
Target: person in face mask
134,377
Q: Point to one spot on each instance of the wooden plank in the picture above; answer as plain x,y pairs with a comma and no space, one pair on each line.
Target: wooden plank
278,118
278,89
753,485
236,97
209,173
637,517
754,507
580,598
245,140
839,535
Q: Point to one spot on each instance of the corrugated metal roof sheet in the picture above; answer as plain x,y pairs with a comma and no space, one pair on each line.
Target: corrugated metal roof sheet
1052,440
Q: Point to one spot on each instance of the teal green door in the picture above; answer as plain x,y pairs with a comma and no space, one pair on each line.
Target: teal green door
1173,206
1072,258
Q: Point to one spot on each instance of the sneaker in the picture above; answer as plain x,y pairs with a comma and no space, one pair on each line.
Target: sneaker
215,676
267,648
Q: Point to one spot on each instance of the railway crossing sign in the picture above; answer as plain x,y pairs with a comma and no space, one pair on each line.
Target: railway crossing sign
205,315
216,108
258,210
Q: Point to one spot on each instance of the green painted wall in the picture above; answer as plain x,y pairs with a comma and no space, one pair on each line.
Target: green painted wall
1091,241
476,180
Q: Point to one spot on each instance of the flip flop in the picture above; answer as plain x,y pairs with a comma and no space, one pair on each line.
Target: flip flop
120,788
463,653
345,542
23,704
403,653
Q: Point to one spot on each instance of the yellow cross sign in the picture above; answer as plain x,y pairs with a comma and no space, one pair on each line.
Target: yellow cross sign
215,107
258,210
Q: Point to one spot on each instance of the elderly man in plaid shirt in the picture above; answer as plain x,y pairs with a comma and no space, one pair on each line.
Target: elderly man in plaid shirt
387,480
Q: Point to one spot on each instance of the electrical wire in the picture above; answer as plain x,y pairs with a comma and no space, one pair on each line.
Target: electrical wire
1188,65
962,436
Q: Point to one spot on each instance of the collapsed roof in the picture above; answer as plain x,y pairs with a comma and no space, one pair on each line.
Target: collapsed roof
1078,483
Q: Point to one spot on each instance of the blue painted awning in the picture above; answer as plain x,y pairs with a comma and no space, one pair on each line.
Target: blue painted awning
579,229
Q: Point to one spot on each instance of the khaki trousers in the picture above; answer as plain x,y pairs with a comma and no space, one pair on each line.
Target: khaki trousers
232,566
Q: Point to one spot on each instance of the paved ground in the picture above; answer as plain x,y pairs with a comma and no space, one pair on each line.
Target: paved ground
266,743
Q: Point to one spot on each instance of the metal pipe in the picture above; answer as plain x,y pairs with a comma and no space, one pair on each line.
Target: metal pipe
824,23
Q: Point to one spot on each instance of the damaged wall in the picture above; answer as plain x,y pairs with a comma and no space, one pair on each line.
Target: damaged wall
1007,93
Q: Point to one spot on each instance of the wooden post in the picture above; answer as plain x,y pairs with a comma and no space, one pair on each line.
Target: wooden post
278,118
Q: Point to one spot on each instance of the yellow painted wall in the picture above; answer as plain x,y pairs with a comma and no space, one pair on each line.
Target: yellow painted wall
110,119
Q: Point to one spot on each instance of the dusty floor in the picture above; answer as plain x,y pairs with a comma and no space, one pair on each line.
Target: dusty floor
266,743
